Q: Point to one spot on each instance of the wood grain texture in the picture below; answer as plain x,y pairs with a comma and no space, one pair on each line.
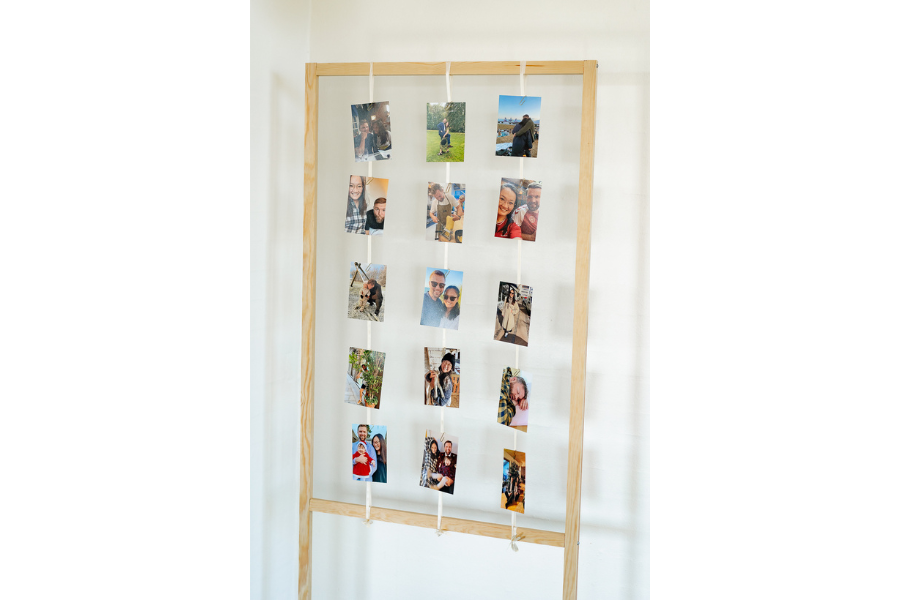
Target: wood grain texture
410,68
388,515
508,67
579,330
358,68
308,326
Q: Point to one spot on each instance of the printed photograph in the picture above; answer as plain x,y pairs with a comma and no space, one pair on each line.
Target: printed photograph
513,313
371,131
445,209
518,208
368,283
443,298
442,377
512,497
366,205
518,126
515,392
439,461
365,373
445,135
369,452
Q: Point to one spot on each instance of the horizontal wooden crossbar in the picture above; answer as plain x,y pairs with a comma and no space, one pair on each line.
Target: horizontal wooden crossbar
507,67
389,515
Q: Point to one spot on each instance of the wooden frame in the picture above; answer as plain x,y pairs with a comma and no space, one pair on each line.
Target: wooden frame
570,539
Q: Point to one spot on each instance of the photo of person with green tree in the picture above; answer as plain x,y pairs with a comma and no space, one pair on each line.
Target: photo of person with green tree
365,374
445,139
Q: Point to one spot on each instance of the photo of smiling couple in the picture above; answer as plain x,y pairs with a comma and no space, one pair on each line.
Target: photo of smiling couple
442,300
368,450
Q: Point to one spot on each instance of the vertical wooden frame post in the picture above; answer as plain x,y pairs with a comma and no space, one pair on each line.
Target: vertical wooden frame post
579,330
308,326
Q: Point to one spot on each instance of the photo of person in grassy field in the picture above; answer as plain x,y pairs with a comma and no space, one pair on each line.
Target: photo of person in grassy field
445,124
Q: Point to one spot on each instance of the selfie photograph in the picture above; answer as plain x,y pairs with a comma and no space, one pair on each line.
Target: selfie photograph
365,374
513,314
366,205
371,128
442,300
367,288
444,211
518,126
369,452
439,461
442,371
518,209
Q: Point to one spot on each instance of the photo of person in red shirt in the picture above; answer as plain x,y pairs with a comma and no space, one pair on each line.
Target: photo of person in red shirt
506,226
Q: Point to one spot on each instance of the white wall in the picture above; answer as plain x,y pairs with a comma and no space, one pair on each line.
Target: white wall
280,48
613,550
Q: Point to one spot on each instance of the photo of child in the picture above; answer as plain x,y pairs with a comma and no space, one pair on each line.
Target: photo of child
439,462
442,370
515,394
369,452
512,494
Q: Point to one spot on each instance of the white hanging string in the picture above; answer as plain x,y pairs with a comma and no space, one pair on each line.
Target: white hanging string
449,99
368,521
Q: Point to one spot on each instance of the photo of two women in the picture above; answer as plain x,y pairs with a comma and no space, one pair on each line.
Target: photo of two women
369,452
442,377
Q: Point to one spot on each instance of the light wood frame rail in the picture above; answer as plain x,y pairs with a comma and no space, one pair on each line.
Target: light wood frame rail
568,540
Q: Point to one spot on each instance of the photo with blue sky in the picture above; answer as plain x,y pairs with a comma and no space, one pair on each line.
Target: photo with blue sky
513,107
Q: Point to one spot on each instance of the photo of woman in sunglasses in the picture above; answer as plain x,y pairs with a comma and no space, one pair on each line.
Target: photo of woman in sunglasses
443,296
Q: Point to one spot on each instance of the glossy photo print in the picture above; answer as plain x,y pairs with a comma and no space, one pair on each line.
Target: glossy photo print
445,209
365,374
439,461
518,209
515,396
442,302
512,494
513,313
368,451
518,126
445,132
442,371
366,205
371,128
368,285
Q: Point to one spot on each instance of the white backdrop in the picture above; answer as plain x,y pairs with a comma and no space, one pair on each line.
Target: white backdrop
613,554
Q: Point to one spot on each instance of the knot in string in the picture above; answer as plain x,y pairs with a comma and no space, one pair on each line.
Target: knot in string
513,544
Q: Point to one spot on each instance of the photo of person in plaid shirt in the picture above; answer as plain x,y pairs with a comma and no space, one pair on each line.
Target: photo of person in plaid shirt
512,410
355,221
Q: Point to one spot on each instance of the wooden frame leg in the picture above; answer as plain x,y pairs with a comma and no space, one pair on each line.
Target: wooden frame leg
579,331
